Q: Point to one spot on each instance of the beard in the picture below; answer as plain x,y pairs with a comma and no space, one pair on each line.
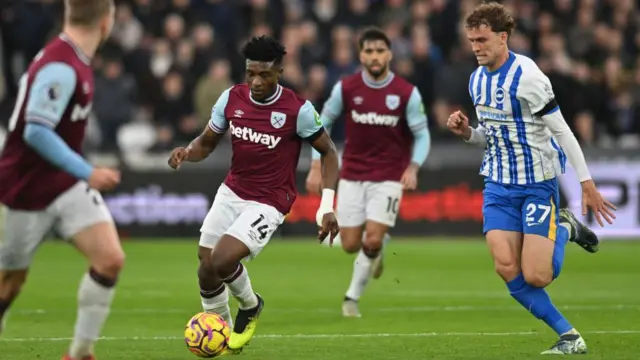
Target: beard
378,72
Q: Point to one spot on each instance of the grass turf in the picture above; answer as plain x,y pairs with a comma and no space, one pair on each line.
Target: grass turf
438,299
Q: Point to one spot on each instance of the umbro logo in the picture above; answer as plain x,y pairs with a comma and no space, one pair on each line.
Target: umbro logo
238,113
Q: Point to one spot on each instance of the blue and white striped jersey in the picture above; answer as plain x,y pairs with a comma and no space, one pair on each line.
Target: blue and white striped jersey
510,103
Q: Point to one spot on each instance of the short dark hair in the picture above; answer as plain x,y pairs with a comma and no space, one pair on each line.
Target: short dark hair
87,13
264,48
373,34
492,15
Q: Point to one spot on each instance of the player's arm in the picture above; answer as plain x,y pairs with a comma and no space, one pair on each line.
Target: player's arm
310,127
476,136
417,121
50,94
542,103
541,99
330,111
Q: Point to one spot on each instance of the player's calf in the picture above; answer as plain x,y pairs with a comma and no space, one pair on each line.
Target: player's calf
101,245
225,259
11,283
213,293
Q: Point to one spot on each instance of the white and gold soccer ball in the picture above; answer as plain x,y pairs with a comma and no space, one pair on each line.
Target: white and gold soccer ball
207,335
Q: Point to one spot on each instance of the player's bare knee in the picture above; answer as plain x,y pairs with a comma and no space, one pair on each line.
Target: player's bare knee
373,240
351,239
350,246
506,269
206,271
223,265
110,265
537,277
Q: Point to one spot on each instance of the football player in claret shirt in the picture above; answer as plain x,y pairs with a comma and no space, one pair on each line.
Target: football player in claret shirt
268,124
46,184
387,140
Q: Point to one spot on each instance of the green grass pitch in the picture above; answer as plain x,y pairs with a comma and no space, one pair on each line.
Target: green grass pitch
438,299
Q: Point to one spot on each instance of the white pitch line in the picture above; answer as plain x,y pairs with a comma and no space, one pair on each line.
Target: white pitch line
457,308
324,336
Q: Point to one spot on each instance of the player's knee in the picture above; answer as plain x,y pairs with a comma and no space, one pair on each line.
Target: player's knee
205,268
537,278
110,265
507,270
223,265
373,240
350,247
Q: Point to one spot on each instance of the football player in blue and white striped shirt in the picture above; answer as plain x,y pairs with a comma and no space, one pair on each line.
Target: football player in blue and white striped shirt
527,143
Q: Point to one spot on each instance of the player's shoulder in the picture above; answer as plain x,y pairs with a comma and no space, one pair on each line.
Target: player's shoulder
351,81
291,100
530,71
401,85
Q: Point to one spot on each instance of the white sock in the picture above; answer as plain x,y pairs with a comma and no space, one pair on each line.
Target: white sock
217,304
94,303
240,287
360,278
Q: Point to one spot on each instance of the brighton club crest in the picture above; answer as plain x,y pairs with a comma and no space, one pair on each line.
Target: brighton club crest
278,119
392,101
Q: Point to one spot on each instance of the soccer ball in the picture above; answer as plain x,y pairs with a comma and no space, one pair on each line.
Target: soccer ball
207,335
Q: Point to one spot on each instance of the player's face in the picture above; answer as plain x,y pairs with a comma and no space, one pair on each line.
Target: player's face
487,45
375,56
262,78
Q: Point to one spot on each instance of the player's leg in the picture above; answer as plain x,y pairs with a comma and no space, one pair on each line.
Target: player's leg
578,232
213,294
382,209
351,212
248,235
23,233
84,218
542,258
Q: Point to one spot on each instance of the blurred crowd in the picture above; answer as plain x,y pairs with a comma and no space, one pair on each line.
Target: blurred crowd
169,60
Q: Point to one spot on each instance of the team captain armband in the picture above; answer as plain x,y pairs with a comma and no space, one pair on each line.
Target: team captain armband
551,107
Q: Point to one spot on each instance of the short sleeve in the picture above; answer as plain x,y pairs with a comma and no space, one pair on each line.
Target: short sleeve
416,114
51,90
538,93
218,122
309,123
333,106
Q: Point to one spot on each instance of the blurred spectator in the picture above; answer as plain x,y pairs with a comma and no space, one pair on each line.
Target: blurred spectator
175,57
113,101
210,87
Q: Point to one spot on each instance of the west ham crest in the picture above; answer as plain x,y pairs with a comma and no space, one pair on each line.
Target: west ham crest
278,119
392,101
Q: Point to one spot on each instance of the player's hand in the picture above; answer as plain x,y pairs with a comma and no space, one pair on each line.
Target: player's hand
103,179
458,123
329,228
409,179
592,199
314,180
178,155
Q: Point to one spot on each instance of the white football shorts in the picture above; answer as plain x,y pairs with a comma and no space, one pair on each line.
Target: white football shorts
251,222
361,201
71,212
